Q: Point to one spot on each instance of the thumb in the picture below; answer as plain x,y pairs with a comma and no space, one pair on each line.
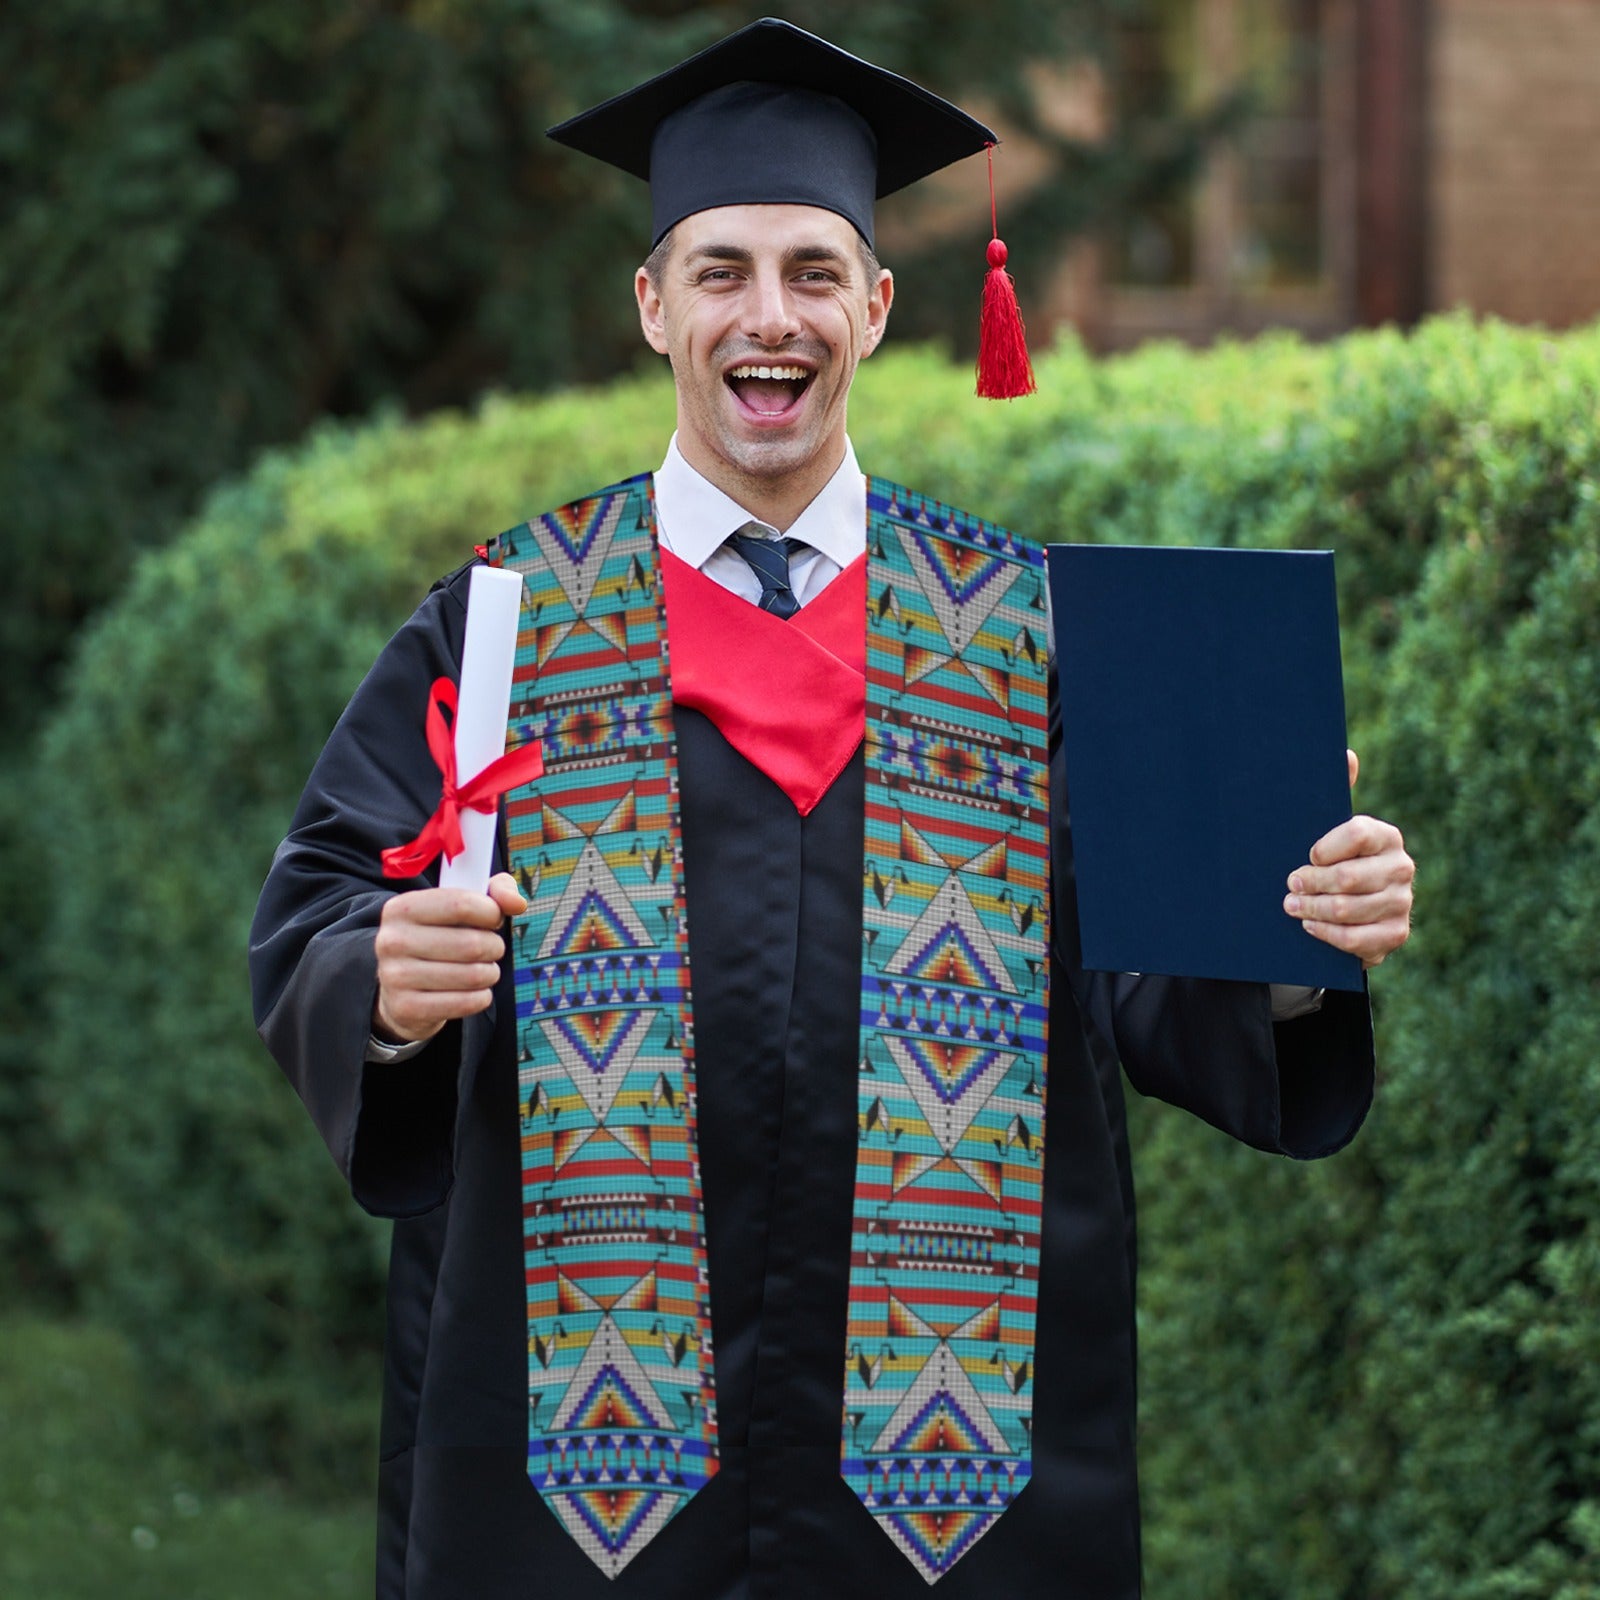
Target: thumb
504,892
1354,762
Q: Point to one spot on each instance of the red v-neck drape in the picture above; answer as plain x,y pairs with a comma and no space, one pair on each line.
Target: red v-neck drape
789,696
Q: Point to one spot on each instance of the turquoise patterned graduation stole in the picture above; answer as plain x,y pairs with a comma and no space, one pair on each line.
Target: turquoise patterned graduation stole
944,1258
937,1385
622,1422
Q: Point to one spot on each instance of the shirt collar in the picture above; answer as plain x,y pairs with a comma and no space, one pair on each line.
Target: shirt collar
695,517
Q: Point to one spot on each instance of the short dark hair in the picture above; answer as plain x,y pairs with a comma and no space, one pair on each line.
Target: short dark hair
656,262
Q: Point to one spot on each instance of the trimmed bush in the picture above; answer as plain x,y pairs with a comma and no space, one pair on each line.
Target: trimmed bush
1376,1377
197,1210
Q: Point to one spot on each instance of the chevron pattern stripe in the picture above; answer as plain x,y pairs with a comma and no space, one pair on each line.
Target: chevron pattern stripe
949,1177
621,1405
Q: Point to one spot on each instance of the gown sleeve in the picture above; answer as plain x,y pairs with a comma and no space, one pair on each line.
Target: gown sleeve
1300,1088
313,966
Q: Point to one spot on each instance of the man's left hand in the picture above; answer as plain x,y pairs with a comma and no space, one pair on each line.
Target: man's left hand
1355,892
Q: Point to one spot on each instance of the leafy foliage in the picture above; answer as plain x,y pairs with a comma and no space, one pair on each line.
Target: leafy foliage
218,224
1377,1378
194,1214
1370,1378
95,1499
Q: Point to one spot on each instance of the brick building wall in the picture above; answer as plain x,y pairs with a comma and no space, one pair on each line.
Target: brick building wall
1514,158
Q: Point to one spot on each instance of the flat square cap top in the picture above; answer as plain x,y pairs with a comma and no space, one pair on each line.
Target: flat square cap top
774,115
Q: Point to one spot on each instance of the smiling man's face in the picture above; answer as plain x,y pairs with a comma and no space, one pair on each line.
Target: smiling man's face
764,311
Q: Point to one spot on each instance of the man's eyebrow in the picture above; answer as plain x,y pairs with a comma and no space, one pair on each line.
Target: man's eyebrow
795,255
817,254
720,252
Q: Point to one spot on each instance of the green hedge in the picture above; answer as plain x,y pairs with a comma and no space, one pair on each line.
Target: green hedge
1377,1377
194,1206
1371,1378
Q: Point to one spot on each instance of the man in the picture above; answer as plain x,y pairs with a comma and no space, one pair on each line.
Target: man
555,1418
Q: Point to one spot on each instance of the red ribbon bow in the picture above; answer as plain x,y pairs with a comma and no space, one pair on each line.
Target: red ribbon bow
442,831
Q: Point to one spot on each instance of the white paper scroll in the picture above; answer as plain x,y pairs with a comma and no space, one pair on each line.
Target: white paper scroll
494,605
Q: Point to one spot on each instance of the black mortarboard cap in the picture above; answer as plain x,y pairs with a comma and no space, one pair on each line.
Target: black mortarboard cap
774,115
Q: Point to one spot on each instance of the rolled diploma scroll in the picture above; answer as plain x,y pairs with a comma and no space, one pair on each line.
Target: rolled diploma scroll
494,608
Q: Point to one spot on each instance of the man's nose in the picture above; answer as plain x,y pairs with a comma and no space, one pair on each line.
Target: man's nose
772,319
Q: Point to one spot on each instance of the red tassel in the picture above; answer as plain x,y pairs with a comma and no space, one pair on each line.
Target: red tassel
1004,370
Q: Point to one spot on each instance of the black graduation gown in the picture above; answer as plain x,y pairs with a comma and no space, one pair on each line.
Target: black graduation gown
774,904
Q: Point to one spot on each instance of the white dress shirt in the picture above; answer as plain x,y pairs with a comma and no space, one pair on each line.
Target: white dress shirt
694,518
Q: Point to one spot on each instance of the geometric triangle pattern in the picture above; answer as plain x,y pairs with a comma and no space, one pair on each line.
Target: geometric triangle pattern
949,1174
622,1413
594,913
948,942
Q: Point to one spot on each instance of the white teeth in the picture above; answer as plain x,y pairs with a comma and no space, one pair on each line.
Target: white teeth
796,374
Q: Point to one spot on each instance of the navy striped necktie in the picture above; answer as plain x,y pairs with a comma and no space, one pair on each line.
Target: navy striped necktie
769,560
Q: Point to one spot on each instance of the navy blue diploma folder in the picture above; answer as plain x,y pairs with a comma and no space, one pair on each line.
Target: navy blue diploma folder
1202,712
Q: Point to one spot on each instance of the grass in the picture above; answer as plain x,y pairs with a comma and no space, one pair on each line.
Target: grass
93,1503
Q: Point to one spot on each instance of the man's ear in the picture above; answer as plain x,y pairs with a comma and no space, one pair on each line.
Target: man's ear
878,303
652,315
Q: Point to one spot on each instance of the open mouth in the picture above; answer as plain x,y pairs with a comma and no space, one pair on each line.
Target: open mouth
768,391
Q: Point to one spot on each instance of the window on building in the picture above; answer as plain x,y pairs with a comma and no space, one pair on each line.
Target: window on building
1264,235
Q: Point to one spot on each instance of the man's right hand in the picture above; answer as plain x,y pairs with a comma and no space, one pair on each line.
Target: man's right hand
439,954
